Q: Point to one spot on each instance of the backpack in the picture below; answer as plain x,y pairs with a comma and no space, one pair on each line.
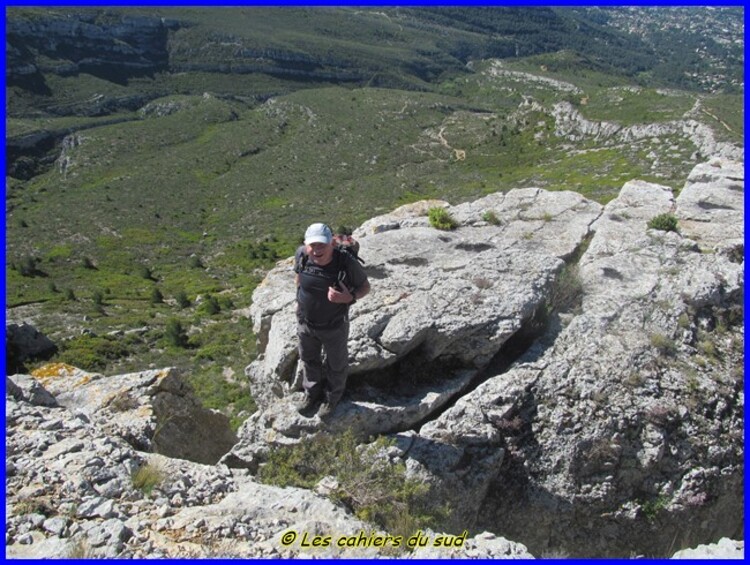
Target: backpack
343,245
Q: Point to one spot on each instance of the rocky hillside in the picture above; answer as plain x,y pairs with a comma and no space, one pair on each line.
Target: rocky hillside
549,358
562,374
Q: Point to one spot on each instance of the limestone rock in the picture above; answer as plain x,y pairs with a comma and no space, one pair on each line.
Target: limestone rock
723,549
153,410
57,506
630,408
711,207
441,307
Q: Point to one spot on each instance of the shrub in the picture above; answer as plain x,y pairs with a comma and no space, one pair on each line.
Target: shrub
90,352
567,291
27,267
182,299
663,344
215,351
156,296
376,489
175,334
146,478
145,272
195,262
651,508
441,219
664,222
211,305
491,218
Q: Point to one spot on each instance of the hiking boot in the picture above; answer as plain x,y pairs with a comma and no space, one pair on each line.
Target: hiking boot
308,405
327,409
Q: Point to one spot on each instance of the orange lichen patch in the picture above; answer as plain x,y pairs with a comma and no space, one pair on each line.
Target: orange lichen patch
53,370
163,374
83,380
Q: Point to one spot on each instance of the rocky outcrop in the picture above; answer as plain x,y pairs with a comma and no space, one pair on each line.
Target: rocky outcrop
624,424
151,410
443,305
570,124
76,491
24,342
90,42
723,549
76,488
601,429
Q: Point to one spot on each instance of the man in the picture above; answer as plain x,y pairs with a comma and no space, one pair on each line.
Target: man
328,281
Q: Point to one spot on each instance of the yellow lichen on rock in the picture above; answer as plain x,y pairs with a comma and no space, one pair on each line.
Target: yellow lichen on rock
53,370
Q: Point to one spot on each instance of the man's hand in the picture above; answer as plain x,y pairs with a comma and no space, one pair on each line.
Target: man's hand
339,296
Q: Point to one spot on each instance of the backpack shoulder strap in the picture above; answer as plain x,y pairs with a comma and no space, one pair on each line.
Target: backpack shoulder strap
300,259
342,256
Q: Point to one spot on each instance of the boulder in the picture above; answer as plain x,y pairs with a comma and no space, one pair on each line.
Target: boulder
623,422
723,549
72,491
24,342
594,433
442,305
153,410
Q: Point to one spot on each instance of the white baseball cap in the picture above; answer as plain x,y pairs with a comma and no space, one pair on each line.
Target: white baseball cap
318,233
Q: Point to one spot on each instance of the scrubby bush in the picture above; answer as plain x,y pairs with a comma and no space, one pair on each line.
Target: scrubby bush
175,334
366,480
663,344
664,222
491,218
92,353
27,266
156,296
567,292
145,272
147,477
211,305
441,219
182,299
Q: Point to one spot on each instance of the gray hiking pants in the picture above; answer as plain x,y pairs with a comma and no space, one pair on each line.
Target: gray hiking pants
331,379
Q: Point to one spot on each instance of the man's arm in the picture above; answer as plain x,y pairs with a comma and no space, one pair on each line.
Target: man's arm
362,290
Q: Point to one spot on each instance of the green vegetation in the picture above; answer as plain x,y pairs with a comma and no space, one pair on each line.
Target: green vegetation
375,488
653,506
147,477
491,218
663,344
441,219
663,222
567,292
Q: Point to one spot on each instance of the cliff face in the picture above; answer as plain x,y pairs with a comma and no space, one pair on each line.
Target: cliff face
113,48
558,371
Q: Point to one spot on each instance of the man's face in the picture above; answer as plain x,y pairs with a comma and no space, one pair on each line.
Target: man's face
320,253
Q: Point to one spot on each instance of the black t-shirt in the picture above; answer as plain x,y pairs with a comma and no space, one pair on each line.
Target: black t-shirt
313,305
